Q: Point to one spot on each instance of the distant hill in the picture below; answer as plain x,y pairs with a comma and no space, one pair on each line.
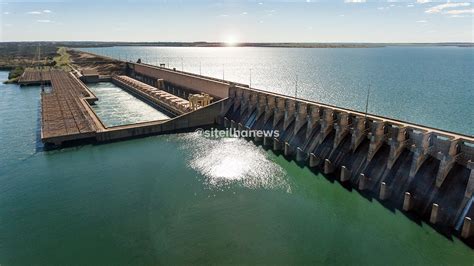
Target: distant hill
11,45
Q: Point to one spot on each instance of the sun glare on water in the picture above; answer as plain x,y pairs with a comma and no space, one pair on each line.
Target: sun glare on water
228,161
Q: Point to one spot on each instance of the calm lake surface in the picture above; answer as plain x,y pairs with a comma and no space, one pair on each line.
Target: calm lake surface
432,86
184,199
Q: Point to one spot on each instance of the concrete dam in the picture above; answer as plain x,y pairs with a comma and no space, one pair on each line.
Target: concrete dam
425,172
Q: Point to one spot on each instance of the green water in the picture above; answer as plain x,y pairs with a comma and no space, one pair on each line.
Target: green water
184,199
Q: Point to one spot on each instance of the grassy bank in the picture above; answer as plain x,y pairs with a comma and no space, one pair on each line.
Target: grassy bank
63,59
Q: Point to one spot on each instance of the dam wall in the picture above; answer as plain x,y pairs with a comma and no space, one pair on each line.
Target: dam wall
426,172
179,80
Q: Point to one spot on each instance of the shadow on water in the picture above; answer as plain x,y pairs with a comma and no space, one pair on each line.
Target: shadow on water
369,195
39,146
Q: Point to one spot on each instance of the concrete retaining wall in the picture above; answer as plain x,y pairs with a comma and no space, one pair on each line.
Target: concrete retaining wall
199,118
182,79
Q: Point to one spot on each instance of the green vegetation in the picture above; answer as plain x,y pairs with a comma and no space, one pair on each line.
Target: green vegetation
63,58
15,74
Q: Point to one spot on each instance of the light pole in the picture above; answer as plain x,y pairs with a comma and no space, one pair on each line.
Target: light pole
250,78
296,87
367,101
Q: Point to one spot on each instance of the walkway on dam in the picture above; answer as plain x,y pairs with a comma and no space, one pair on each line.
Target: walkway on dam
31,77
64,111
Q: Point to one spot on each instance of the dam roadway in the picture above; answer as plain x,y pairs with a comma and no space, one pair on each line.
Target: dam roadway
426,172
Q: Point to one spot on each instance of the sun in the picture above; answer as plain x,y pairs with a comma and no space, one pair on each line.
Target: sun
231,40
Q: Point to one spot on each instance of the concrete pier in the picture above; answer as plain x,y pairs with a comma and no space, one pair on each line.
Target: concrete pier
407,202
345,174
467,228
313,160
301,117
342,128
328,167
312,119
434,216
363,181
397,144
377,137
358,132
327,124
300,155
384,191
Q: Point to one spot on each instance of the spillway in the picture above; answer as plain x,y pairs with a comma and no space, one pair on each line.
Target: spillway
423,171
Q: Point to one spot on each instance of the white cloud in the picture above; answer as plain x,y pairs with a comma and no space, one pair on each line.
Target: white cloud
36,12
460,11
6,13
439,8
44,21
244,13
423,1
421,21
354,1
410,5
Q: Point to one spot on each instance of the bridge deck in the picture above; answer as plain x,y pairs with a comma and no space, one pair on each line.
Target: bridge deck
64,110
30,77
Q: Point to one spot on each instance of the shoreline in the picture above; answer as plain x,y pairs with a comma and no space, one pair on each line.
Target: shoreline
91,44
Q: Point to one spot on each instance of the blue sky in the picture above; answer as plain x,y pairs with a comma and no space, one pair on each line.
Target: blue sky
243,21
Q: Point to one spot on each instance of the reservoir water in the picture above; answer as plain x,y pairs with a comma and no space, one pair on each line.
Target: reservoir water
182,199
432,86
